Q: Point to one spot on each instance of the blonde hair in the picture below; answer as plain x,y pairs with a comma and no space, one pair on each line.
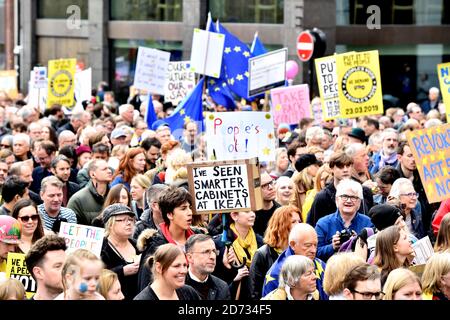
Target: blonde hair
337,268
119,150
398,279
437,266
176,165
106,281
12,289
142,180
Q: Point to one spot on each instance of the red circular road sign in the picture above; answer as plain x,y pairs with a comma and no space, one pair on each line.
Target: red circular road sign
305,46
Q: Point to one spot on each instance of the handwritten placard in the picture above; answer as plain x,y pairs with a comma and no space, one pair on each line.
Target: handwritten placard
240,135
221,186
328,86
151,70
180,81
16,268
431,150
443,71
290,104
82,237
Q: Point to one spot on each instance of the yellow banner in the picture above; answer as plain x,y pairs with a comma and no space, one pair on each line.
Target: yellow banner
17,269
61,82
359,84
8,82
443,71
328,86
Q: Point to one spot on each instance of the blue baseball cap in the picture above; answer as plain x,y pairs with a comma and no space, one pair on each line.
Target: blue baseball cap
159,123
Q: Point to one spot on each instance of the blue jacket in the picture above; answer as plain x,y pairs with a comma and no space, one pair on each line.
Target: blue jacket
119,179
376,158
272,276
327,226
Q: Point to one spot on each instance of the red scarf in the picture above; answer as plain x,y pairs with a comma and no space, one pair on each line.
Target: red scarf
166,233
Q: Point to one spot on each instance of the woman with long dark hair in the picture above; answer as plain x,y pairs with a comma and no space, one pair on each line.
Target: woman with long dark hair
26,212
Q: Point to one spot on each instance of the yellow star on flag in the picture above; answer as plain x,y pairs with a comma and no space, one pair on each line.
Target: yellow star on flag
182,111
246,54
187,119
246,74
438,181
231,81
432,157
441,155
239,77
269,278
237,49
425,160
278,107
216,89
227,50
266,151
212,82
224,84
438,130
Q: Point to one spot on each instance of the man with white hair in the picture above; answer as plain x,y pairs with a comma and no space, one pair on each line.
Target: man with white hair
333,230
35,131
433,100
360,156
126,112
388,153
67,138
21,147
314,137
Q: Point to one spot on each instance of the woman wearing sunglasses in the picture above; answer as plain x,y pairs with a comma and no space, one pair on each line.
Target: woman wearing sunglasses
32,230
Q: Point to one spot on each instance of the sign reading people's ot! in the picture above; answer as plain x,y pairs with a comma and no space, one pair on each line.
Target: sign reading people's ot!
290,104
16,268
82,237
225,186
240,135
431,150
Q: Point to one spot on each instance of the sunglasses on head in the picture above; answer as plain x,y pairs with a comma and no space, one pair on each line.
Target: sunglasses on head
33,217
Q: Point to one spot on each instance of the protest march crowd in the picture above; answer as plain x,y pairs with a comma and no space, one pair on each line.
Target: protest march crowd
100,203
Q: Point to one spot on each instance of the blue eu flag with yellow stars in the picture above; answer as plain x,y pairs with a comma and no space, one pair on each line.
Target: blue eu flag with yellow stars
235,61
218,88
189,109
257,48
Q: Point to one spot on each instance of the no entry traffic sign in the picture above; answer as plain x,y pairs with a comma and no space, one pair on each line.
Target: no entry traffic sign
305,46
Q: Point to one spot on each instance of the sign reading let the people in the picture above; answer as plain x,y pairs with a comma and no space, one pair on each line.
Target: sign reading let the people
431,150
79,236
225,186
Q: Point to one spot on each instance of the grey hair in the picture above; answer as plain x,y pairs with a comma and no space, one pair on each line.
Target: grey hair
293,268
432,123
313,132
395,189
298,229
434,90
22,137
124,107
346,184
387,131
152,194
352,149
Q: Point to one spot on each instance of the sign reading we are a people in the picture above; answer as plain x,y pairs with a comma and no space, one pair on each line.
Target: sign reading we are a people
16,268
225,186
359,84
431,150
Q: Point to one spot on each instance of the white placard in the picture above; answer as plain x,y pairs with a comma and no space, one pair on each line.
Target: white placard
39,79
83,88
328,86
423,250
221,188
151,70
267,71
79,236
180,81
240,135
206,53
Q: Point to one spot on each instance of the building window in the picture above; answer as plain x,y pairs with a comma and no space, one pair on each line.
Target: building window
250,11
50,9
147,10
124,61
417,12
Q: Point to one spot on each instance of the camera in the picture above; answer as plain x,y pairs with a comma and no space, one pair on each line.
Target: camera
344,235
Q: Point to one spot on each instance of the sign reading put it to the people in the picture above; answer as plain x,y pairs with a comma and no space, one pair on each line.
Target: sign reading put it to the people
359,84
61,82
431,150
79,236
225,186
328,86
16,268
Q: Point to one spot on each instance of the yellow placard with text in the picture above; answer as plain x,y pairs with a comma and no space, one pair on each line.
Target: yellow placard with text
61,82
8,82
16,268
431,150
359,84
443,71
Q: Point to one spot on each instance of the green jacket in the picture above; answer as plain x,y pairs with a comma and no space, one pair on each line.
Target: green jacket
87,204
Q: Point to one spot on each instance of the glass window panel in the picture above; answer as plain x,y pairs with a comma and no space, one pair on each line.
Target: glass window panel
250,11
51,9
147,10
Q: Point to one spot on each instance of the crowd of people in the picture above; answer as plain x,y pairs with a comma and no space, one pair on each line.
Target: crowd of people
343,205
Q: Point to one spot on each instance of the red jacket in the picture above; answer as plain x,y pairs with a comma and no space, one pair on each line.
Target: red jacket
444,208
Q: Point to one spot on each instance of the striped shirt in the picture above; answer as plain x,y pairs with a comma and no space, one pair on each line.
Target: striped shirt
65,213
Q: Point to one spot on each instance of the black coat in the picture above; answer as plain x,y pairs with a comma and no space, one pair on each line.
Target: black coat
261,263
183,293
217,288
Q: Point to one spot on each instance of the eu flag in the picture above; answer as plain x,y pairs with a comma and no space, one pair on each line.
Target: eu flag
218,88
235,58
257,48
150,115
189,109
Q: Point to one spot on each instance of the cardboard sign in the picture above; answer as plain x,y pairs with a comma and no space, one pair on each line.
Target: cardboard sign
359,84
83,87
267,71
206,52
443,71
16,268
180,81
423,250
39,79
328,86
61,82
151,70
8,82
240,135
431,150
290,104
82,237
225,186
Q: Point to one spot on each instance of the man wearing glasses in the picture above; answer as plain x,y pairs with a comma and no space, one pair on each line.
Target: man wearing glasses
363,283
346,219
201,253
269,204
